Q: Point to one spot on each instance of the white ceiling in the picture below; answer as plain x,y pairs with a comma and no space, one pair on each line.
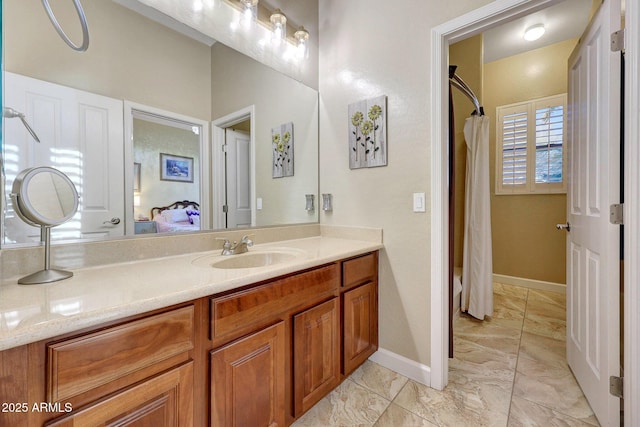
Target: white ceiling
562,21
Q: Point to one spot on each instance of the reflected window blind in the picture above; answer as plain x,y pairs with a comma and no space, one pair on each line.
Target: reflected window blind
514,148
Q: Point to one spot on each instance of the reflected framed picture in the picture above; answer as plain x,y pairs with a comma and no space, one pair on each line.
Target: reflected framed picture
176,168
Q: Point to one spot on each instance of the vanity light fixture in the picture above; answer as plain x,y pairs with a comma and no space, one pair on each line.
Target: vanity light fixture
302,43
534,32
279,23
249,10
296,46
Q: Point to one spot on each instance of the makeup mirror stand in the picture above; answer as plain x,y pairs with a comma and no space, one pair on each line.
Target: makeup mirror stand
47,275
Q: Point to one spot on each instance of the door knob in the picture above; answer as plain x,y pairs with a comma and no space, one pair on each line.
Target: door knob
113,221
566,226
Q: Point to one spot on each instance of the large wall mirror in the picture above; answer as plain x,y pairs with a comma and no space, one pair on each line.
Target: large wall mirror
146,118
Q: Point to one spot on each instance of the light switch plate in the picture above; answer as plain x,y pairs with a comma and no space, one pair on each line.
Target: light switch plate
419,202
259,203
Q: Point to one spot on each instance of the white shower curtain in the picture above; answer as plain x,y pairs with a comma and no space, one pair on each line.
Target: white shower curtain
477,262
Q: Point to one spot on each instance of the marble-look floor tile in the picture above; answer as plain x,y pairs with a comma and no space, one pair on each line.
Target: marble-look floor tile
510,290
547,297
508,311
545,326
348,405
543,349
528,414
483,364
378,379
395,416
552,386
461,403
487,333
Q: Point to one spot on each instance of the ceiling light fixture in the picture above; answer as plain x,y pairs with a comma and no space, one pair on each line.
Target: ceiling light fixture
279,23
534,32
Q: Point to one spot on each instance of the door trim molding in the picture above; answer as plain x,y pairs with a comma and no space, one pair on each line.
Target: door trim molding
632,217
218,189
163,117
469,25
442,36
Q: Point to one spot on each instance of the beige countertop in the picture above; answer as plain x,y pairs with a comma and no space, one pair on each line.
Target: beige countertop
101,294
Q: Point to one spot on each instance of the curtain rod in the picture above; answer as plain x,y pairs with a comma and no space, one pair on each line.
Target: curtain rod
458,83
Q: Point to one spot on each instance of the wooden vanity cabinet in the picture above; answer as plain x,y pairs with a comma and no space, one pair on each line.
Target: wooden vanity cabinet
359,310
258,356
135,371
248,380
316,354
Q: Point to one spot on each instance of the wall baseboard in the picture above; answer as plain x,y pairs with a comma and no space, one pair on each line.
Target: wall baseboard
530,283
402,365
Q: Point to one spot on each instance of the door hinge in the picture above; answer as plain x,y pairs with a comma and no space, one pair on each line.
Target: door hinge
224,148
225,208
615,386
616,215
617,41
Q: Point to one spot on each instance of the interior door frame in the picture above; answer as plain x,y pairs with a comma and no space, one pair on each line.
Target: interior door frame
129,109
468,25
219,195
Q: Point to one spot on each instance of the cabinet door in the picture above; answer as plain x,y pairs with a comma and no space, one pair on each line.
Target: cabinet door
316,354
162,401
248,380
360,325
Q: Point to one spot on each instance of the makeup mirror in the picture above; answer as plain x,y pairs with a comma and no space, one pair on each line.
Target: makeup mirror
44,197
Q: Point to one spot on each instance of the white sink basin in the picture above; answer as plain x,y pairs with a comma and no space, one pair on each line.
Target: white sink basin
249,259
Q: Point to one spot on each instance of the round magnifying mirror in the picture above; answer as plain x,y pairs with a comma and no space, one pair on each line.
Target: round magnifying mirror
44,197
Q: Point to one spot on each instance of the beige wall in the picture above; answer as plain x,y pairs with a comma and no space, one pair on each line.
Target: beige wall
239,82
467,55
129,57
525,241
370,48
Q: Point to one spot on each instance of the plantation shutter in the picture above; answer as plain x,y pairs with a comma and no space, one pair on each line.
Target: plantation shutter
514,149
530,146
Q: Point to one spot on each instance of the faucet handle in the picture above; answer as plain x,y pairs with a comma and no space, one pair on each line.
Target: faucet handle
247,240
226,244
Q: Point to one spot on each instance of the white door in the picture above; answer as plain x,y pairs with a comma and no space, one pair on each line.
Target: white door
81,134
593,278
238,182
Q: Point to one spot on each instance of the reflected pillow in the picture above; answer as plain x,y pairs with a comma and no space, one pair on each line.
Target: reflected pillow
175,215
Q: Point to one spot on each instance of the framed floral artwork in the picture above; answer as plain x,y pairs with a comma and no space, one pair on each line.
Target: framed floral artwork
282,141
368,133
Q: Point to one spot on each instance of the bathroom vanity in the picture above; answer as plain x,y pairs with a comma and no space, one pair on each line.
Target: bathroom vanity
252,346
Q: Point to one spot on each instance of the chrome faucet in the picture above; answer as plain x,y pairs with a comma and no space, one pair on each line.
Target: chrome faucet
235,248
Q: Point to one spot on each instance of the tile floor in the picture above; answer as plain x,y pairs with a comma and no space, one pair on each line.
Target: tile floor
509,370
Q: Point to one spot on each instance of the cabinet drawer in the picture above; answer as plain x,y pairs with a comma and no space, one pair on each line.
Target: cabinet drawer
260,305
360,270
84,363
164,400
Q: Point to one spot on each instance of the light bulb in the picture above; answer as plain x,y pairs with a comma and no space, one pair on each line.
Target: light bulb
302,41
279,23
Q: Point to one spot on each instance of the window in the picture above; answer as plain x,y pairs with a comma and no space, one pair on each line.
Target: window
530,154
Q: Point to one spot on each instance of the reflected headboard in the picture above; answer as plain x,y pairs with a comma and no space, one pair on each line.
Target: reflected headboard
176,205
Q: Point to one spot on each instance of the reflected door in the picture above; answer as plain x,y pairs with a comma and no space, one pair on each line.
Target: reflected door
238,182
81,135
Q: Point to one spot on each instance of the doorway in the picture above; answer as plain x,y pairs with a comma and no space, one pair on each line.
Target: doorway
234,166
459,29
